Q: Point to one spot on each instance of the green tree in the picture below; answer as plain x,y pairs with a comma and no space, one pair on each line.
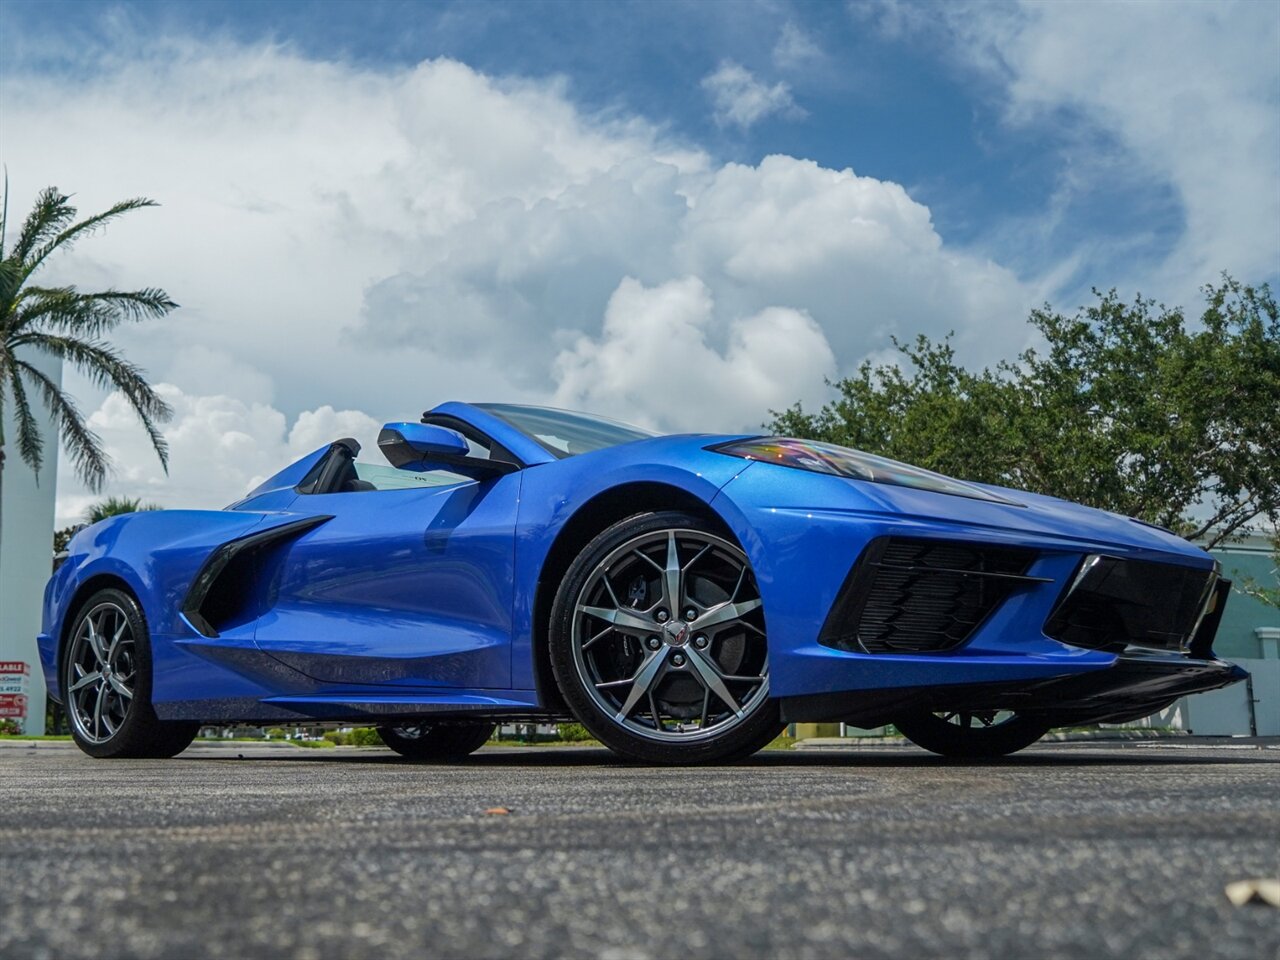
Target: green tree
108,507
1126,407
1267,593
65,323
115,506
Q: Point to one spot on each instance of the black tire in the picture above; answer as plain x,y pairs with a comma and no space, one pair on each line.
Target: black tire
741,735
424,741
132,728
939,735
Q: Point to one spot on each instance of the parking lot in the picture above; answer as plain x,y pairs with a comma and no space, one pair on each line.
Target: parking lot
1105,849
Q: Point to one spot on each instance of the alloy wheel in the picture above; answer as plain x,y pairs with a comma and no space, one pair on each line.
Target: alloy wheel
101,673
668,636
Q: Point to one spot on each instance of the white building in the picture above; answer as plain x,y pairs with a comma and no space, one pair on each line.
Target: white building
26,551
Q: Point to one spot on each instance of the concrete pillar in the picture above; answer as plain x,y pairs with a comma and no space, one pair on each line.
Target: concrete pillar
26,561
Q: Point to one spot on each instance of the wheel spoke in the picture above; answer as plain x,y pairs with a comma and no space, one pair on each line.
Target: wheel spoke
724,613
711,680
97,710
115,640
85,680
642,681
95,642
599,636
621,617
671,578
119,687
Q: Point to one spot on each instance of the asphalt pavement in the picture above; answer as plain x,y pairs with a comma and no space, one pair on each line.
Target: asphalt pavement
1072,850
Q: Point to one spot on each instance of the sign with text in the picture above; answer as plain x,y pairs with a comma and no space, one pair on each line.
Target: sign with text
13,705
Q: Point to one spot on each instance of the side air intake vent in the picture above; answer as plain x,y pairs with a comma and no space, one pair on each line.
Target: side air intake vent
223,588
922,596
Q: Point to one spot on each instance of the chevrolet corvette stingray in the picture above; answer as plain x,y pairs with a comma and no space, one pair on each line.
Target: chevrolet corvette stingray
682,597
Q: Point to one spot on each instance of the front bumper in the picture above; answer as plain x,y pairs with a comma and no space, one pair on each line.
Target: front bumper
1135,686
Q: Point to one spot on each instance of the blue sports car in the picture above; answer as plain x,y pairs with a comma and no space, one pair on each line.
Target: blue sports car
682,597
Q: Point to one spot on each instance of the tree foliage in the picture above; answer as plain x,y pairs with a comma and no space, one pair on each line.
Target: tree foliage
65,323
100,510
1126,406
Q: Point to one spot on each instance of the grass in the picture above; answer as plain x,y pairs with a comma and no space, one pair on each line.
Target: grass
33,736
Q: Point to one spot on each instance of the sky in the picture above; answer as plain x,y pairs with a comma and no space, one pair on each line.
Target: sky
682,215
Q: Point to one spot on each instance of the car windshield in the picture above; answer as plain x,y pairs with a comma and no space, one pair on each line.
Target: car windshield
563,432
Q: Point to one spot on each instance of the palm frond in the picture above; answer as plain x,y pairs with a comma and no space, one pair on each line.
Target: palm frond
4,212
47,219
115,506
30,443
83,446
69,235
67,310
103,367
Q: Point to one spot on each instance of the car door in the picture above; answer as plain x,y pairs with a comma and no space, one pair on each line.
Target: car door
408,585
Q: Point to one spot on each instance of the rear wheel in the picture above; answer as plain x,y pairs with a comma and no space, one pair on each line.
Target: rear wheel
106,684
658,643
426,741
974,735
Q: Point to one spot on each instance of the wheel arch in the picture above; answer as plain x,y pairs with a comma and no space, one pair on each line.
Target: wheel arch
592,518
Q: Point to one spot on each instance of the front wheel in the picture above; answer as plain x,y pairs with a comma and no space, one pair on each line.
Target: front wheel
973,735
658,643
425,741
106,684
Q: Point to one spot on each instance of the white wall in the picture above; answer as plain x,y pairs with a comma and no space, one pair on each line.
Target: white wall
26,548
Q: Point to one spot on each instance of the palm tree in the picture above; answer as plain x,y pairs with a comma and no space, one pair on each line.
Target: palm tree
65,323
115,506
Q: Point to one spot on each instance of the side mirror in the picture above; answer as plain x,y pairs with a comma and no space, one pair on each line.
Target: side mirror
408,444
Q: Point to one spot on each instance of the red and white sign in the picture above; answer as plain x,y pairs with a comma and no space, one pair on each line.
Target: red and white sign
13,677
13,705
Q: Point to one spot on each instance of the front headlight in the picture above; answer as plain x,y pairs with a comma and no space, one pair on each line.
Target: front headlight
853,464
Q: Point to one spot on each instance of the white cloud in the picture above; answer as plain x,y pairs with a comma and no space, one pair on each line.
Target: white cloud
653,359
795,49
1190,93
377,241
220,447
738,98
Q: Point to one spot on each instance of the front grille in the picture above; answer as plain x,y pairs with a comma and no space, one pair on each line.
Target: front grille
922,596
1114,603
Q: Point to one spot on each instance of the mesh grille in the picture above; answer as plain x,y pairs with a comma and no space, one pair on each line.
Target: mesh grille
916,596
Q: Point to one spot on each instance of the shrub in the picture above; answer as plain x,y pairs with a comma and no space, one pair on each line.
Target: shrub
364,737
573,732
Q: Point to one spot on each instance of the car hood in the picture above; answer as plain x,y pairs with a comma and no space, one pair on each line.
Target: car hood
1049,519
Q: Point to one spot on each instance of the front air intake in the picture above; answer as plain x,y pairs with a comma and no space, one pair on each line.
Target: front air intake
1115,602
922,596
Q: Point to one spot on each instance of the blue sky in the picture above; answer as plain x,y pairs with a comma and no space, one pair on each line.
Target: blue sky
529,196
